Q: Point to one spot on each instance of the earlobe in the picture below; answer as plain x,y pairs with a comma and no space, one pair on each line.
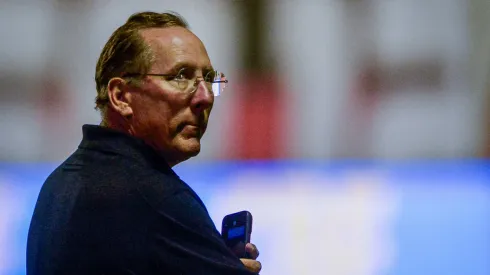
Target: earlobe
119,97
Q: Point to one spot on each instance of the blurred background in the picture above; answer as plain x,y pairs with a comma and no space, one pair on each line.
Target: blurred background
355,131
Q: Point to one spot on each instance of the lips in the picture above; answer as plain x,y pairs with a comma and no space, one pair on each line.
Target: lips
190,129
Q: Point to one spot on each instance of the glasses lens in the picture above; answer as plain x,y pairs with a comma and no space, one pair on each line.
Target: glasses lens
181,84
219,83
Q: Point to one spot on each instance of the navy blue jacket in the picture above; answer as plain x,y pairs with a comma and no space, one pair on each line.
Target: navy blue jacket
115,207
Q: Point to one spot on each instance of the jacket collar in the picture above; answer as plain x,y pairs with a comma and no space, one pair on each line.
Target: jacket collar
108,140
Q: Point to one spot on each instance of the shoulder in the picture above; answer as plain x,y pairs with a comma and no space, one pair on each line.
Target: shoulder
102,176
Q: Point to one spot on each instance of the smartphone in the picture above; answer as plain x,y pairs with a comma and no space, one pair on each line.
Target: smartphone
236,230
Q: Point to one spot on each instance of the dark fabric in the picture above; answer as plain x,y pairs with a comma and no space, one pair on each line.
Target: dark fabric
115,207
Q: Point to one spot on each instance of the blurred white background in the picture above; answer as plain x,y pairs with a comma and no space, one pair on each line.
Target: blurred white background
359,78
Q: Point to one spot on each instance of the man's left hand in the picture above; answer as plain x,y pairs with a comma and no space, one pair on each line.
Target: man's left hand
252,264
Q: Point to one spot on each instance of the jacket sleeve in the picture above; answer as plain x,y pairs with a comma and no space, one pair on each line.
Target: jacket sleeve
183,237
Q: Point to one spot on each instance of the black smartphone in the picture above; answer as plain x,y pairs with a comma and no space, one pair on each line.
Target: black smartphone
236,230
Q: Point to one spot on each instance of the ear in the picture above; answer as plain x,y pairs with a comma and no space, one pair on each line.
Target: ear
119,97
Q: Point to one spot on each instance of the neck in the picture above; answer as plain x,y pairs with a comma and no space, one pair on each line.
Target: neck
116,122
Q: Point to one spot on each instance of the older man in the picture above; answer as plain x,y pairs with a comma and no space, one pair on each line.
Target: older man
115,206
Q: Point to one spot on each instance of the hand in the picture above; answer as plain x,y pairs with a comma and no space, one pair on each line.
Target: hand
251,264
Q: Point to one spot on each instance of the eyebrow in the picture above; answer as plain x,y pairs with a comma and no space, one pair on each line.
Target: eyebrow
184,64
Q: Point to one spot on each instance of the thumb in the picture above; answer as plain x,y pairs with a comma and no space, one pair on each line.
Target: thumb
252,265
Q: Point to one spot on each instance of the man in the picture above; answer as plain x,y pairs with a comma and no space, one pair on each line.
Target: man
115,206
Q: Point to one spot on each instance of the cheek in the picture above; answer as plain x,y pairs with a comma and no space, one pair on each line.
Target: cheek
160,111
146,113
156,117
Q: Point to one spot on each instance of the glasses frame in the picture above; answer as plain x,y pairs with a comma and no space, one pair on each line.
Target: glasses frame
196,82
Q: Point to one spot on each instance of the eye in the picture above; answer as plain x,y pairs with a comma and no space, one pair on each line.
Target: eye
183,74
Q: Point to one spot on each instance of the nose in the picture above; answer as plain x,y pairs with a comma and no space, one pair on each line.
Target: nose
202,98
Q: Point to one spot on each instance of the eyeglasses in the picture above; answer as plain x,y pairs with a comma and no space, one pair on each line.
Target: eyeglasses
186,80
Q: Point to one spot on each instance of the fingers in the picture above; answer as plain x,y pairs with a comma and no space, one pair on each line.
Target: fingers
252,265
252,251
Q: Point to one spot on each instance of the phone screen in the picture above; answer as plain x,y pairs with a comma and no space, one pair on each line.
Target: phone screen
236,231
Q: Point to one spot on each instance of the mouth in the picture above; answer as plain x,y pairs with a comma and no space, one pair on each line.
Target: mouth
190,130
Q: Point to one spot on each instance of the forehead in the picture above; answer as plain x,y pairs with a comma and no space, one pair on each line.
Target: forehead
175,45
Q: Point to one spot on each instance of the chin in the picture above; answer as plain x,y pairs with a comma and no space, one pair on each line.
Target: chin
189,147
